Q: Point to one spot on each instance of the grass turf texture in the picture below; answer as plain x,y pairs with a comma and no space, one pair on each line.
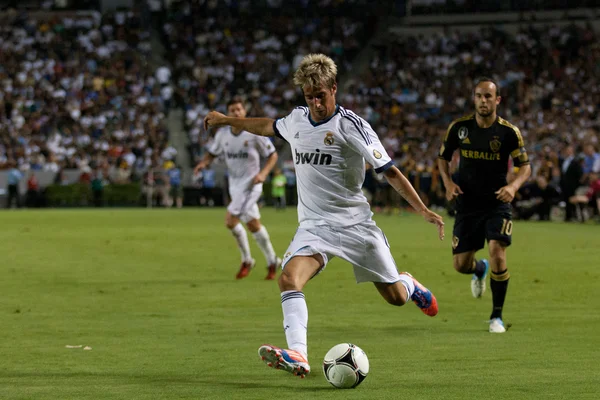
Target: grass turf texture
153,293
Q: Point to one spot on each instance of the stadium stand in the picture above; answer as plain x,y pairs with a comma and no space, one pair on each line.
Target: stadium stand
217,55
416,85
80,93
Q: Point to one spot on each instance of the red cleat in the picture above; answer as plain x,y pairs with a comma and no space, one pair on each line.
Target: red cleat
423,298
272,273
245,269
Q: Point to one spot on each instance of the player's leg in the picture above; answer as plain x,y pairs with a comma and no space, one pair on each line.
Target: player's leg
367,249
306,256
294,276
499,234
250,214
396,293
499,279
264,241
468,237
239,233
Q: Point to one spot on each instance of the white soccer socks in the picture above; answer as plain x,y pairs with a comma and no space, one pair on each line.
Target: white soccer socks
409,285
264,242
295,320
241,237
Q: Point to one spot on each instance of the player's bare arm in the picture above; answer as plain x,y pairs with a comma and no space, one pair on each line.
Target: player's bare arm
266,170
507,193
257,126
206,161
452,189
406,190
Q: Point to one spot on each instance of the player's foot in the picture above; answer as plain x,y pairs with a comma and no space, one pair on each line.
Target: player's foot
287,360
423,298
273,269
245,269
478,284
497,326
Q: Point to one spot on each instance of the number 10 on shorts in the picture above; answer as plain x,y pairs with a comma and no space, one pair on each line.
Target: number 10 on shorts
507,226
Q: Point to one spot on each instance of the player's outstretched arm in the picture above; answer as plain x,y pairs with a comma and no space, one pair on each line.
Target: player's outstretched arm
257,126
406,190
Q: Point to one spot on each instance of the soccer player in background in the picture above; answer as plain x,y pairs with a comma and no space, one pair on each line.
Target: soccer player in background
330,145
483,196
242,152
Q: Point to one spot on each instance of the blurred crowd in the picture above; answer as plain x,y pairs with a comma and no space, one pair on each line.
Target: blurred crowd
550,89
217,54
77,91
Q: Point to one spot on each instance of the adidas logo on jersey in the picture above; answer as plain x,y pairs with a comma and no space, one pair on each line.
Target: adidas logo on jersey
466,141
316,158
297,135
239,154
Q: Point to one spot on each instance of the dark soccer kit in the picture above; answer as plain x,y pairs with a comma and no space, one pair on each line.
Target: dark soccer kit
484,155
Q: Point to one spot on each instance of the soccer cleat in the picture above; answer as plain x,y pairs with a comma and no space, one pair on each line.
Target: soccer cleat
272,273
478,284
245,269
287,360
497,326
423,298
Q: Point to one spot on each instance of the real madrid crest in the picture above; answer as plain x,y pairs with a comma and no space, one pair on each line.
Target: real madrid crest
328,139
495,144
463,132
377,154
454,242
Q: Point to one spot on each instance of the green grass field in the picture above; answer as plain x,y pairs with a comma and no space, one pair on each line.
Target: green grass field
153,293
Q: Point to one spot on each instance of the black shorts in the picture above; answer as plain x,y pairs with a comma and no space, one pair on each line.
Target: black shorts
472,229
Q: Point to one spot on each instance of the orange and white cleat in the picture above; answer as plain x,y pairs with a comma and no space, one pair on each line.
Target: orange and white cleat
287,360
423,298
272,269
245,269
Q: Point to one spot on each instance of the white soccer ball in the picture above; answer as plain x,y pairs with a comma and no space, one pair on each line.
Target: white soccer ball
345,366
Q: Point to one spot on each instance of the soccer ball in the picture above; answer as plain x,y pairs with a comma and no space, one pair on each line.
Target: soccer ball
345,366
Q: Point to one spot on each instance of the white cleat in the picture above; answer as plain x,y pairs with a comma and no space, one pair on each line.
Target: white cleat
497,326
478,284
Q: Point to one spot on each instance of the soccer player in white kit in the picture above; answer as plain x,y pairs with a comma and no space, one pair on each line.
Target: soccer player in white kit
330,145
242,151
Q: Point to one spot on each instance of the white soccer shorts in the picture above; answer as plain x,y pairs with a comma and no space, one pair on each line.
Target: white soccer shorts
243,203
363,245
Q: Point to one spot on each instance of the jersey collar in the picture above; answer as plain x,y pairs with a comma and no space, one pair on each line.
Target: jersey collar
235,134
313,123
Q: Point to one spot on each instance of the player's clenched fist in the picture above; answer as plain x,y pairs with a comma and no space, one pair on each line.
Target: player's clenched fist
214,119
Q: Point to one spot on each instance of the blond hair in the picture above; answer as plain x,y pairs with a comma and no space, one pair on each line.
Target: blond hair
316,70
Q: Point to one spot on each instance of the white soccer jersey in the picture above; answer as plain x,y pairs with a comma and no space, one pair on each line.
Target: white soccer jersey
329,158
242,154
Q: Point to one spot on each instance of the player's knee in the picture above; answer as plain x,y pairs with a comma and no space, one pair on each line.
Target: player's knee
464,266
288,281
229,224
254,225
498,256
